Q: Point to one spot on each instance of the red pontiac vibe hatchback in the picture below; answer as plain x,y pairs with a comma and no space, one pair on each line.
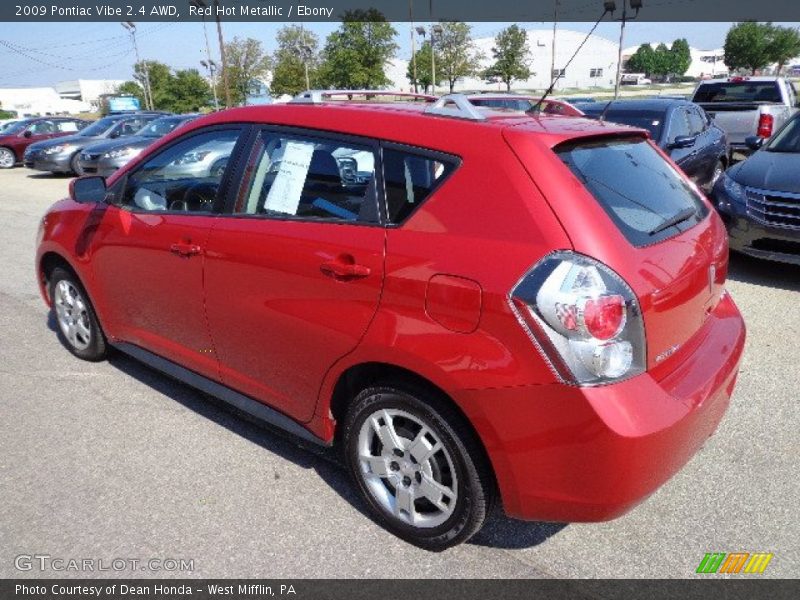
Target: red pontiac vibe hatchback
472,304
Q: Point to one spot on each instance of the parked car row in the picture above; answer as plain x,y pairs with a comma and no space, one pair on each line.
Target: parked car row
69,145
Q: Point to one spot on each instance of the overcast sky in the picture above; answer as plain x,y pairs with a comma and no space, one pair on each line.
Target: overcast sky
45,53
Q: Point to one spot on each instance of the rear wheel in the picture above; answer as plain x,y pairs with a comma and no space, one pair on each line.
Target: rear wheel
7,158
78,327
417,466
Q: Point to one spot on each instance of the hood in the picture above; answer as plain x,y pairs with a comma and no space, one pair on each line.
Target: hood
131,141
774,171
78,140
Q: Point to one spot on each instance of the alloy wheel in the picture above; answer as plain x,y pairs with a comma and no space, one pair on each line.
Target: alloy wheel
6,158
407,469
72,315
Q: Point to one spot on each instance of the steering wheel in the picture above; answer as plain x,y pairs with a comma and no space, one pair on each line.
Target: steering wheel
199,197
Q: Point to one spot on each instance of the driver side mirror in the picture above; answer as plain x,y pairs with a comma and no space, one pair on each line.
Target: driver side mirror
88,190
754,142
28,133
682,141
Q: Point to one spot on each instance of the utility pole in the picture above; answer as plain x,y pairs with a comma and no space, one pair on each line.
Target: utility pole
148,93
305,49
413,43
222,56
611,6
212,66
553,47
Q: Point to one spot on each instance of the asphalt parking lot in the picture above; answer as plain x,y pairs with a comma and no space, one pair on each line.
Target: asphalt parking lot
113,460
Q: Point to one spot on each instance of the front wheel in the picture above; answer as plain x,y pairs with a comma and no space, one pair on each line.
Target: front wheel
418,466
75,166
7,158
719,169
77,322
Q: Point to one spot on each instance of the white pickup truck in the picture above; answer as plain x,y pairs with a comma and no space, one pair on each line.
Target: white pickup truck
747,106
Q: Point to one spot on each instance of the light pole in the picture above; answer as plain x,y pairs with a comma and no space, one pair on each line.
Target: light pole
413,43
553,46
148,94
212,71
204,4
436,29
611,6
305,52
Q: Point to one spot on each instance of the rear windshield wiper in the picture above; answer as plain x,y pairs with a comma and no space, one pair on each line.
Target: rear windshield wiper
680,217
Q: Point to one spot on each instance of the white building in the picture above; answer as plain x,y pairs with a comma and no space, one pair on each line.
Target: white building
594,66
87,90
34,102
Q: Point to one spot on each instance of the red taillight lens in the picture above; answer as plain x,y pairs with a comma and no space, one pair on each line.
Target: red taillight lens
765,123
583,317
604,316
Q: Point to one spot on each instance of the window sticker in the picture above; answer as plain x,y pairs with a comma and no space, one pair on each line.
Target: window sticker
284,195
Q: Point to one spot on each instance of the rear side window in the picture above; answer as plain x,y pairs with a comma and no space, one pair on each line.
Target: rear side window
410,179
642,193
738,91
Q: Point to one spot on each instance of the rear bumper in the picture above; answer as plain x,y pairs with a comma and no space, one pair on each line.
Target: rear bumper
569,454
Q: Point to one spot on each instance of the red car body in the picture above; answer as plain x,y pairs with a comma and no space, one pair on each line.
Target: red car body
435,304
38,129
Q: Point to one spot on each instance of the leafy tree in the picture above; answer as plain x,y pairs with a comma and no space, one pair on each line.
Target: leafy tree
747,46
423,57
511,56
294,47
459,57
662,64
356,54
246,61
783,46
188,92
159,75
643,60
681,57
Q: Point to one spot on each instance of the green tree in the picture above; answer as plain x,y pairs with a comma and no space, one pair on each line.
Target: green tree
459,57
188,92
662,64
297,49
681,57
356,54
423,58
783,46
643,60
747,46
246,61
511,56
159,76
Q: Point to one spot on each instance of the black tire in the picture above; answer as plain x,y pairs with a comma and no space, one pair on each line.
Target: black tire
719,171
475,483
95,348
74,166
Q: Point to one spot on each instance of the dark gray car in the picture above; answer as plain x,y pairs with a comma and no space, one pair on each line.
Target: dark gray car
61,155
103,158
759,199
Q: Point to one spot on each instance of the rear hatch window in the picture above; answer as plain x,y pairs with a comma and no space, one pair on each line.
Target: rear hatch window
641,192
738,91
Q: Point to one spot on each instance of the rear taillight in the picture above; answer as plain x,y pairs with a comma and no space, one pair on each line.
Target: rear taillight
584,317
765,123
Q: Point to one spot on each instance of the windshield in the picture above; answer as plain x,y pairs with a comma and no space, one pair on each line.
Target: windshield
738,91
642,193
787,139
13,127
652,121
161,127
98,127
